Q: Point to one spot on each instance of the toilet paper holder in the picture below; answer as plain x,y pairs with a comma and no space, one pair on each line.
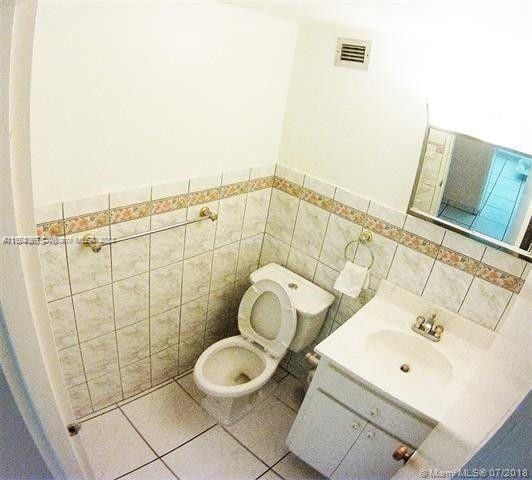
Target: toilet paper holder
364,239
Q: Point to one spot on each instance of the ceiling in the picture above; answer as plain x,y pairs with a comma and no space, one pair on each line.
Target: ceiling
401,15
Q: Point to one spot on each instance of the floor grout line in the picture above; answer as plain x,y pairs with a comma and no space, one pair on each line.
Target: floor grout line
245,447
138,432
188,441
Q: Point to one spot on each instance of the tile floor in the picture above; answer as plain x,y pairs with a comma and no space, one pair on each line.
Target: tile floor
165,434
501,196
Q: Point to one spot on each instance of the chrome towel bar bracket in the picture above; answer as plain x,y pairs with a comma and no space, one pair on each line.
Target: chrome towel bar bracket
90,241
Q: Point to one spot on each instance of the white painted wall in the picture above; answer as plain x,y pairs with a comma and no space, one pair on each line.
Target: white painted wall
132,93
362,130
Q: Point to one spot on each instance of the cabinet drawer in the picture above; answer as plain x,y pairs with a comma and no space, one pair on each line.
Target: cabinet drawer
371,406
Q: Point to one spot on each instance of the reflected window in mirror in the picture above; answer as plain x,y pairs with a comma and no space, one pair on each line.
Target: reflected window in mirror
475,185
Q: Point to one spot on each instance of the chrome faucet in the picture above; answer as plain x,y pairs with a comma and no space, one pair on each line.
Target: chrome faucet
428,328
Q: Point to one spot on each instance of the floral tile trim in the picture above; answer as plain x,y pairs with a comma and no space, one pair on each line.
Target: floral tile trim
169,204
419,244
86,222
410,240
349,213
317,199
204,196
261,183
458,260
382,228
51,229
130,212
287,187
500,278
234,189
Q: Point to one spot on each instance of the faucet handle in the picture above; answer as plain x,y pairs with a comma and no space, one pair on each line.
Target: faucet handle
438,330
420,320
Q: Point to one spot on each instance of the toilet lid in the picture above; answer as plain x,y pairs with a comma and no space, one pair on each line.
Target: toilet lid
268,317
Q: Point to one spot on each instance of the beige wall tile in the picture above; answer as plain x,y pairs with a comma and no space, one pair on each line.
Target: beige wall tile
133,342
94,312
193,318
224,265
105,390
100,355
257,205
230,219
310,229
88,269
55,271
164,365
164,330
131,300
165,288
63,323
196,276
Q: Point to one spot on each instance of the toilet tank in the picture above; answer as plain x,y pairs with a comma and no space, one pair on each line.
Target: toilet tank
311,302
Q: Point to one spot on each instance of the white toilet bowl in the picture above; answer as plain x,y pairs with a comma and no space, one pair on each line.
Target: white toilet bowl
233,367
235,372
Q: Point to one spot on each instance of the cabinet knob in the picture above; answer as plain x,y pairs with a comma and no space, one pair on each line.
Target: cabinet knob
355,426
402,452
370,435
374,412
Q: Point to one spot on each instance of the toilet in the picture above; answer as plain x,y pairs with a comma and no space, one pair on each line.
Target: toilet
279,311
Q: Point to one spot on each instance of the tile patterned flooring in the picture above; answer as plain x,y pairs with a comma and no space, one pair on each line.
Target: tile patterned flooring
166,434
501,197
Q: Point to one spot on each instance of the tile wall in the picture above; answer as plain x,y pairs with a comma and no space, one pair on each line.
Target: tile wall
310,222
142,311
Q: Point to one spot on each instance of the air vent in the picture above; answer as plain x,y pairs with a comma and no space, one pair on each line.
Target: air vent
353,53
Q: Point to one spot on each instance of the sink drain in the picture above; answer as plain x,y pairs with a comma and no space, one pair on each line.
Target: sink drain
405,368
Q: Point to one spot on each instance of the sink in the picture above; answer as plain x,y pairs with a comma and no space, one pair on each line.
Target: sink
378,347
409,357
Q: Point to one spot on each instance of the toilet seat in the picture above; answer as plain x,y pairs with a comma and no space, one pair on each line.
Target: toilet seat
267,316
267,320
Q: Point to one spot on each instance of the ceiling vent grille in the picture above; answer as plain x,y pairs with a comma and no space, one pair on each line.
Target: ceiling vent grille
353,53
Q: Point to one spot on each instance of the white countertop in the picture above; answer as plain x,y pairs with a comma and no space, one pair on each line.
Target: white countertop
374,342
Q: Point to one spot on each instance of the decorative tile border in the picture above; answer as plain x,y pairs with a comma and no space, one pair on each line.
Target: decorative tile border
500,278
130,212
419,244
382,228
404,237
51,229
317,199
415,242
234,189
169,204
458,260
349,213
204,196
127,213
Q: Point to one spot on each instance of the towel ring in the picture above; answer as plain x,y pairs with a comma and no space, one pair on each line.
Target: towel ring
364,239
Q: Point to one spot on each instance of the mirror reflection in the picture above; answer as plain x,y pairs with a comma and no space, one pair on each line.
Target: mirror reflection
475,185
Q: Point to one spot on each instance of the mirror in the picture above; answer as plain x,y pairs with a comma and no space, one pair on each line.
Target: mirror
481,189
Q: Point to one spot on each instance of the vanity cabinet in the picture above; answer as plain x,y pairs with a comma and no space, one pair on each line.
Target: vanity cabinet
328,433
345,430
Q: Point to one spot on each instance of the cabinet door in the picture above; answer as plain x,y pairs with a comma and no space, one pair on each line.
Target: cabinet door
325,433
370,457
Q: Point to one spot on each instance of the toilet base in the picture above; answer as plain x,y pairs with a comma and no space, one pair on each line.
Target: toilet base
227,410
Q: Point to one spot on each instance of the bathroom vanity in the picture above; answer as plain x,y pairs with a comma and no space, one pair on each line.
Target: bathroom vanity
380,388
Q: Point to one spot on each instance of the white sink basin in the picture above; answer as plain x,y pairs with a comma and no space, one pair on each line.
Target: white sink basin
374,344
412,359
